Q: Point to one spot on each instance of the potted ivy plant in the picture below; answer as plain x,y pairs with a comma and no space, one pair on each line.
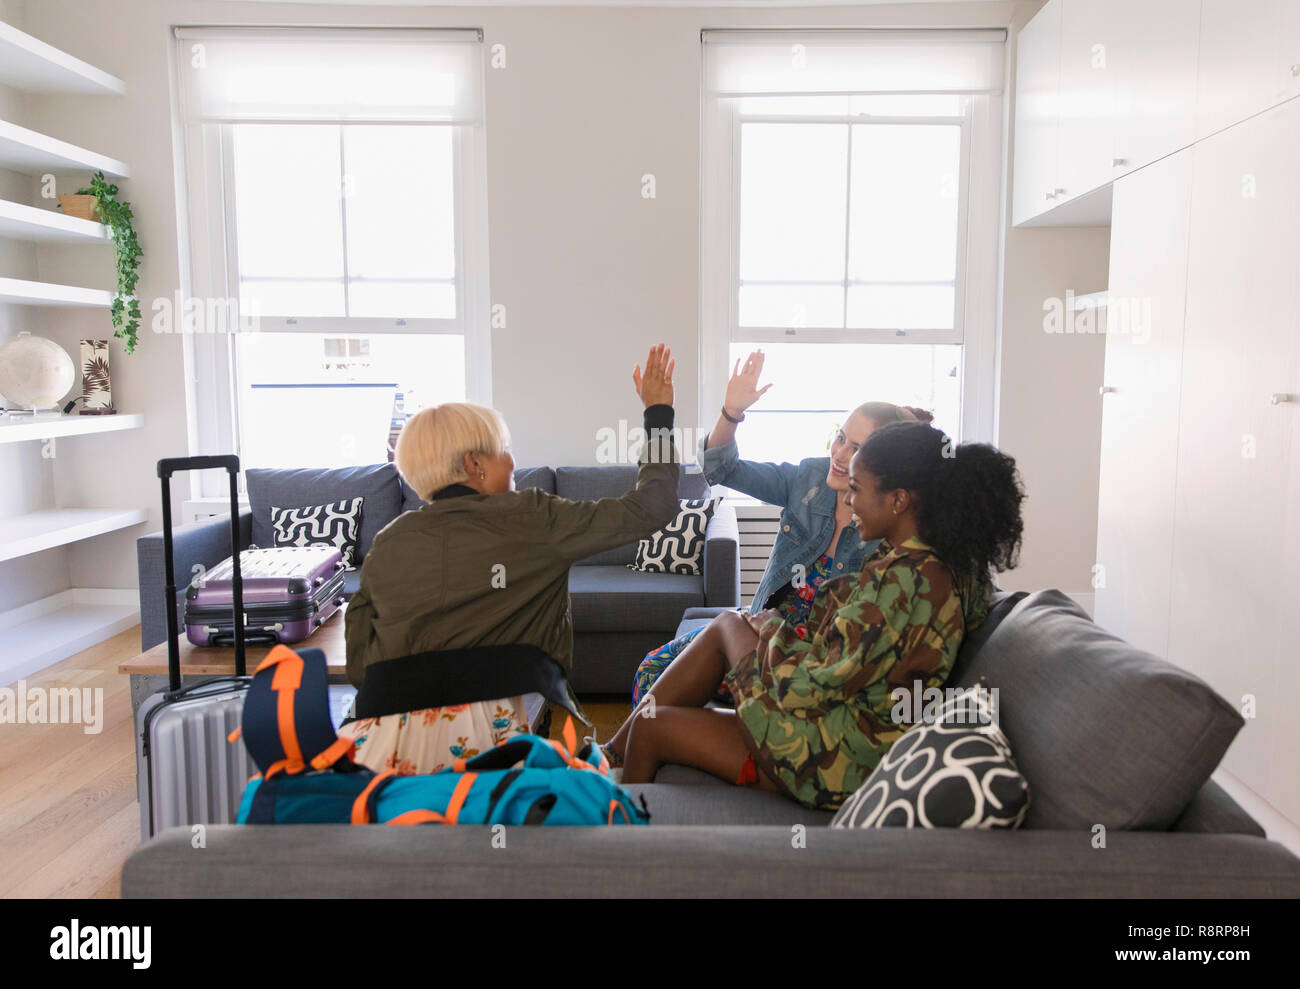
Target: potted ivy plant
116,215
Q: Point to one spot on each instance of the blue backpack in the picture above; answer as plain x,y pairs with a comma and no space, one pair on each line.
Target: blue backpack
309,775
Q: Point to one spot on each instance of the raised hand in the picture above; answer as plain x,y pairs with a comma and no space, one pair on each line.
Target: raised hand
655,386
742,389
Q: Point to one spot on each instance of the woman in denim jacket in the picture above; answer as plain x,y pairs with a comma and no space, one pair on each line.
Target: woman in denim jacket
815,541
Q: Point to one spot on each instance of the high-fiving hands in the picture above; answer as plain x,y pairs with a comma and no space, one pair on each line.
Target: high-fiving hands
655,386
742,389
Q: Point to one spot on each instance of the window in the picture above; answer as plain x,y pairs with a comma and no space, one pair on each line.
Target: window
335,188
850,188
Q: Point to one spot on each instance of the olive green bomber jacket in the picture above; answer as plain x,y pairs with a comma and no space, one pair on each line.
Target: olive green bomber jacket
494,569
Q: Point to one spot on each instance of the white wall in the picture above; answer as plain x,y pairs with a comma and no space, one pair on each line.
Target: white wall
1049,410
591,273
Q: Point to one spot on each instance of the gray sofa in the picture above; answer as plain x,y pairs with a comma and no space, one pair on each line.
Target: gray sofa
618,614
1108,737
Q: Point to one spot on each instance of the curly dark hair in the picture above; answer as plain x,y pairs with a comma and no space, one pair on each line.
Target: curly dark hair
968,495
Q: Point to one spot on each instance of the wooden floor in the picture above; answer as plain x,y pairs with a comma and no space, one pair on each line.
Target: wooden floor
68,811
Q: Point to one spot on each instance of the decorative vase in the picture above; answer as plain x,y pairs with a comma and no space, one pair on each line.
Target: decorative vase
96,386
35,372
82,207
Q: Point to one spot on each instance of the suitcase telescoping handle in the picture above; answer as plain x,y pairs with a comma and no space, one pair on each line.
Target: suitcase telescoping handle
166,468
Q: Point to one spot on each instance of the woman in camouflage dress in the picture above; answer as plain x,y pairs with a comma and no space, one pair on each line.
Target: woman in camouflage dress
814,716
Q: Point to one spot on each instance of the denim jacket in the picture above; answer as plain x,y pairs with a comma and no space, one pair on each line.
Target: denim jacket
807,513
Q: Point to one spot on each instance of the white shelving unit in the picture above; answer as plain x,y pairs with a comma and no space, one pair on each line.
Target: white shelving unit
43,632
20,292
23,535
31,65
32,153
1091,300
47,226
40,634
51,425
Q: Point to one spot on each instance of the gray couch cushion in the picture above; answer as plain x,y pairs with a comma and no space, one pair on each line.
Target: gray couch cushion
614,481
1104,732
684,804
1212,811
693,861
612,598
542,478
686,776
294,487
410,500
1002,604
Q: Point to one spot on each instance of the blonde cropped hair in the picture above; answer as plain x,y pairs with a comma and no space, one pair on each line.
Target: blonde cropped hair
432,446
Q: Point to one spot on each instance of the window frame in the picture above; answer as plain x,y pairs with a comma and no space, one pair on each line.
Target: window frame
210,268
847,334
976,288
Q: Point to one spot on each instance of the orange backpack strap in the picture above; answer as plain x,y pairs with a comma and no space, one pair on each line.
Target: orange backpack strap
459,796
285,683
361,806
343,747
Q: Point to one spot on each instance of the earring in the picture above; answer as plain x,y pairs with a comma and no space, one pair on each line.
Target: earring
481,475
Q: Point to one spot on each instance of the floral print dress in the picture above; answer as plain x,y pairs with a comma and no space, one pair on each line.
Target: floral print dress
792,603
432,739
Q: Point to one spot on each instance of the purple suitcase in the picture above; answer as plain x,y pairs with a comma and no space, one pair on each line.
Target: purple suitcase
289,592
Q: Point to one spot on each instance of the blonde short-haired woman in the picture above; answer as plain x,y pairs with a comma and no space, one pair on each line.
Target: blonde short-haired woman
485,565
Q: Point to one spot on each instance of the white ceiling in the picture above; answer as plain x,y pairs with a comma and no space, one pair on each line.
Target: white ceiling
621,3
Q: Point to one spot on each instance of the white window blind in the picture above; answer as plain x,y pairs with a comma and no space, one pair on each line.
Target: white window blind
332,75
853,62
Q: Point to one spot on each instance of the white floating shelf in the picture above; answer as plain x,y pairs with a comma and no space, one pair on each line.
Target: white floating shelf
31,65
40,634
19,292
1093,300
32,153
44,425
22,535
48,226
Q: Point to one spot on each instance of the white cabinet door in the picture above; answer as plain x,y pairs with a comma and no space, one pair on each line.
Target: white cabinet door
1152,54
1289,37
1245,60
1232,503
1139,440
1038,77
1086,102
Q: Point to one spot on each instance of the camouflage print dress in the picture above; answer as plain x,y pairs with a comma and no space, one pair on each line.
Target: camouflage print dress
815,712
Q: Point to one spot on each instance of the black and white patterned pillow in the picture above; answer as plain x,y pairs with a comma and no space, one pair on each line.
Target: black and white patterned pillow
955,771
679,546
335,525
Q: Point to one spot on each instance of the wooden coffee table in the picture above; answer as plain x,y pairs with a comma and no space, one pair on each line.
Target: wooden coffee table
148,671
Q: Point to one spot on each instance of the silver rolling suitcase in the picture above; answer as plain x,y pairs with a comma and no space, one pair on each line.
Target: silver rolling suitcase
187,772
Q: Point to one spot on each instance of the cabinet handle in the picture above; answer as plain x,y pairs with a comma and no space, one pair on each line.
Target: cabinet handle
1118,162
1278,398
1106,389
1049,195
1295,70
1060,192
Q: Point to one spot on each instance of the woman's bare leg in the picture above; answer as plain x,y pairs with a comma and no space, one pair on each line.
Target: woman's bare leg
702,737
693,677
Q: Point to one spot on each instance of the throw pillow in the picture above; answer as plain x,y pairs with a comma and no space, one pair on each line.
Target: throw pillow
336,525
955,771
679,546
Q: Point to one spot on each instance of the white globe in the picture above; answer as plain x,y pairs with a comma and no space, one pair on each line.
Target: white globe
35,373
